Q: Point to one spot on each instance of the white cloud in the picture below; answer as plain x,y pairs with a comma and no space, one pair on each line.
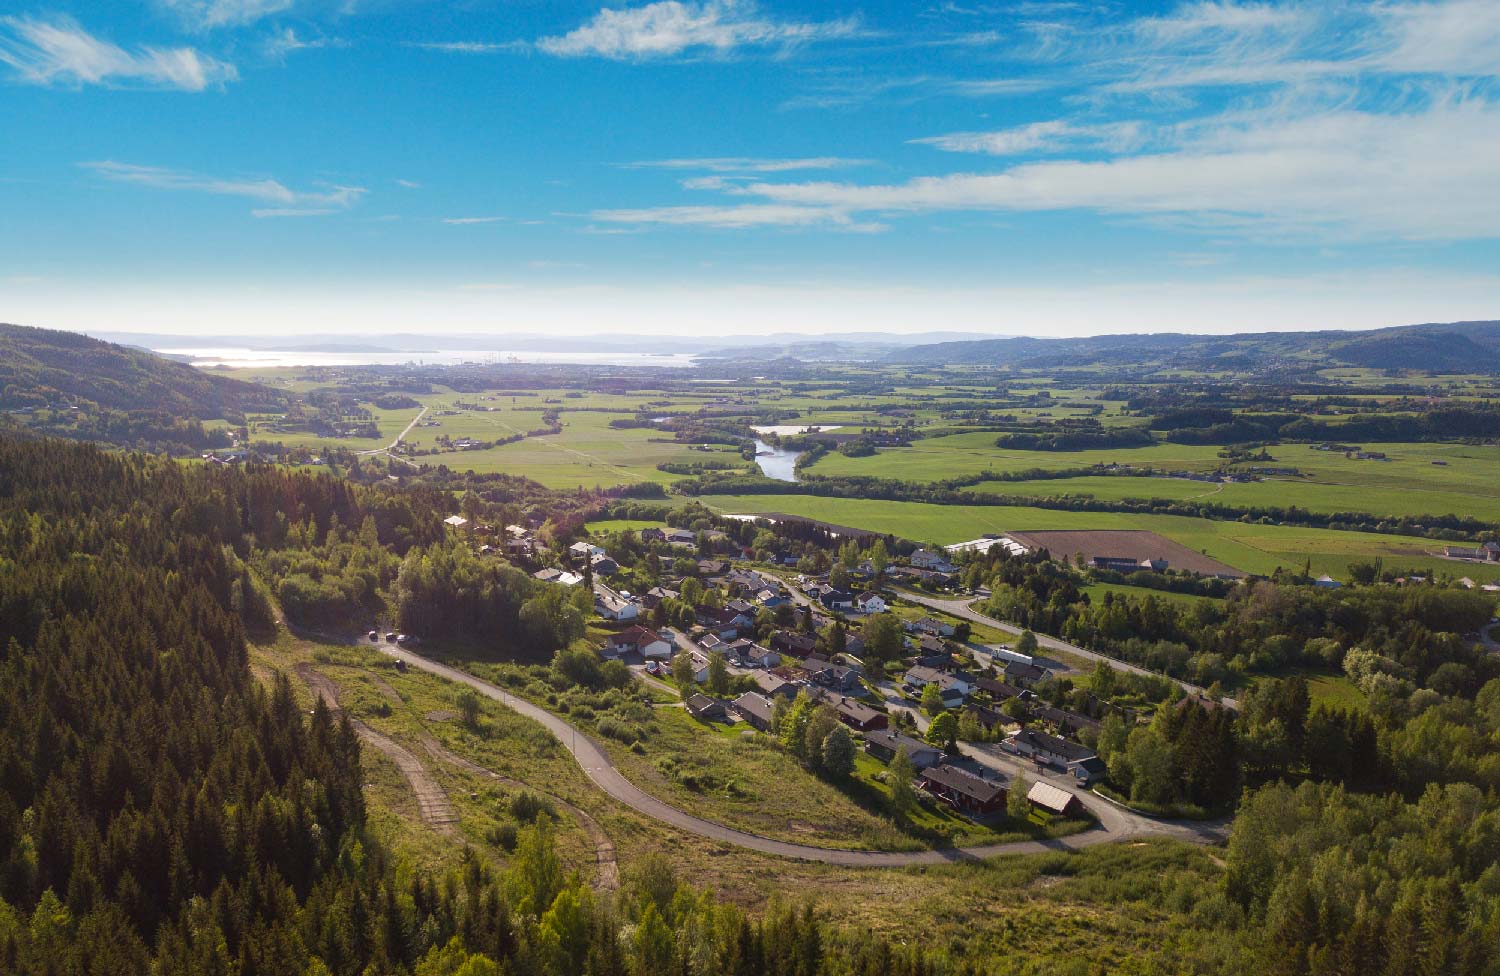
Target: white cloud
744,164
671,27
60,52
466,47
462,221
1460,37
1053,135
740,217
409,184
286,41
292,212
285,202
1425,175
210,14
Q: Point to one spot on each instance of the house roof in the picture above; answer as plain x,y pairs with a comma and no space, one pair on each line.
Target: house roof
1050,797
857,711
895,741
1071,751
965,782
700,704
754,704
635,637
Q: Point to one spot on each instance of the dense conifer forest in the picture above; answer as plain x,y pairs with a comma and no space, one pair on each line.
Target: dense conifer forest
162,811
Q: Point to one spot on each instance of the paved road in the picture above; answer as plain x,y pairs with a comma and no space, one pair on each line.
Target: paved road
597,765
960,608
397,442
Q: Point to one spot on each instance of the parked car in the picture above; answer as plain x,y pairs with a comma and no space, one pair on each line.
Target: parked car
390,638
374,635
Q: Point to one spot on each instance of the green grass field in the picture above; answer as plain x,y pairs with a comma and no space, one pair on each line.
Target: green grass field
1418,479
1251,547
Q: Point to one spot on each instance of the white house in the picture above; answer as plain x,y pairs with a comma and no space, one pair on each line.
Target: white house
870,602
612,606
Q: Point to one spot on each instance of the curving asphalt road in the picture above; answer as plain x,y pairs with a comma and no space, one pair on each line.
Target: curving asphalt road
1115,823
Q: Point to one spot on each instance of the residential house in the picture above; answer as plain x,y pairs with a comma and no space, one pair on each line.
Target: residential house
681,537
652,534
1327,582
771,599
658,595
837,677
775,686
604,565
870,602
640,640
706,709
951,686
933,561
962,790
1049,749
559,576
1054,800
708,568
1025,675
614,606
999,691
756,656
753,709
585,550
883,744
791,642
455,521
929,625
859,716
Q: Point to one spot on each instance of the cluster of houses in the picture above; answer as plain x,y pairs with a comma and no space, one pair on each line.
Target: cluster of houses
1488,552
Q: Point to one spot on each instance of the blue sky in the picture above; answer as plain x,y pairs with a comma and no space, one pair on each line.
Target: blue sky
1025,167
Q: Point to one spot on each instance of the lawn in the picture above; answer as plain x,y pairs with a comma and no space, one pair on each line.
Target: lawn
966,455
1251,547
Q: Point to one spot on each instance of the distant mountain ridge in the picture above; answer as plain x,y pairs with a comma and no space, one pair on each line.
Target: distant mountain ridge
1442,347
40,366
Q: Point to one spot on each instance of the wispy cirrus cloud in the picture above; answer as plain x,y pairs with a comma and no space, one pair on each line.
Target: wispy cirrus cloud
288,41
211,14
736,217
1051,136
671,27
464,221
58,51
282,201
749,164
1343,174
468,47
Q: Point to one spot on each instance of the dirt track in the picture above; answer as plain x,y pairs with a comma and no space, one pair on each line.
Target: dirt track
432,800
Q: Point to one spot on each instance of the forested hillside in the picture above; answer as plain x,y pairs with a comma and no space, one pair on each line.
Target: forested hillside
39,367
161,811
1444,347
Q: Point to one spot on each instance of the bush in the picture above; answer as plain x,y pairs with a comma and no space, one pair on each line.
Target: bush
526,805
503,837
613,728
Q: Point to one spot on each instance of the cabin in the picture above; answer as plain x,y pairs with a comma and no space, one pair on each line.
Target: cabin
1054,800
